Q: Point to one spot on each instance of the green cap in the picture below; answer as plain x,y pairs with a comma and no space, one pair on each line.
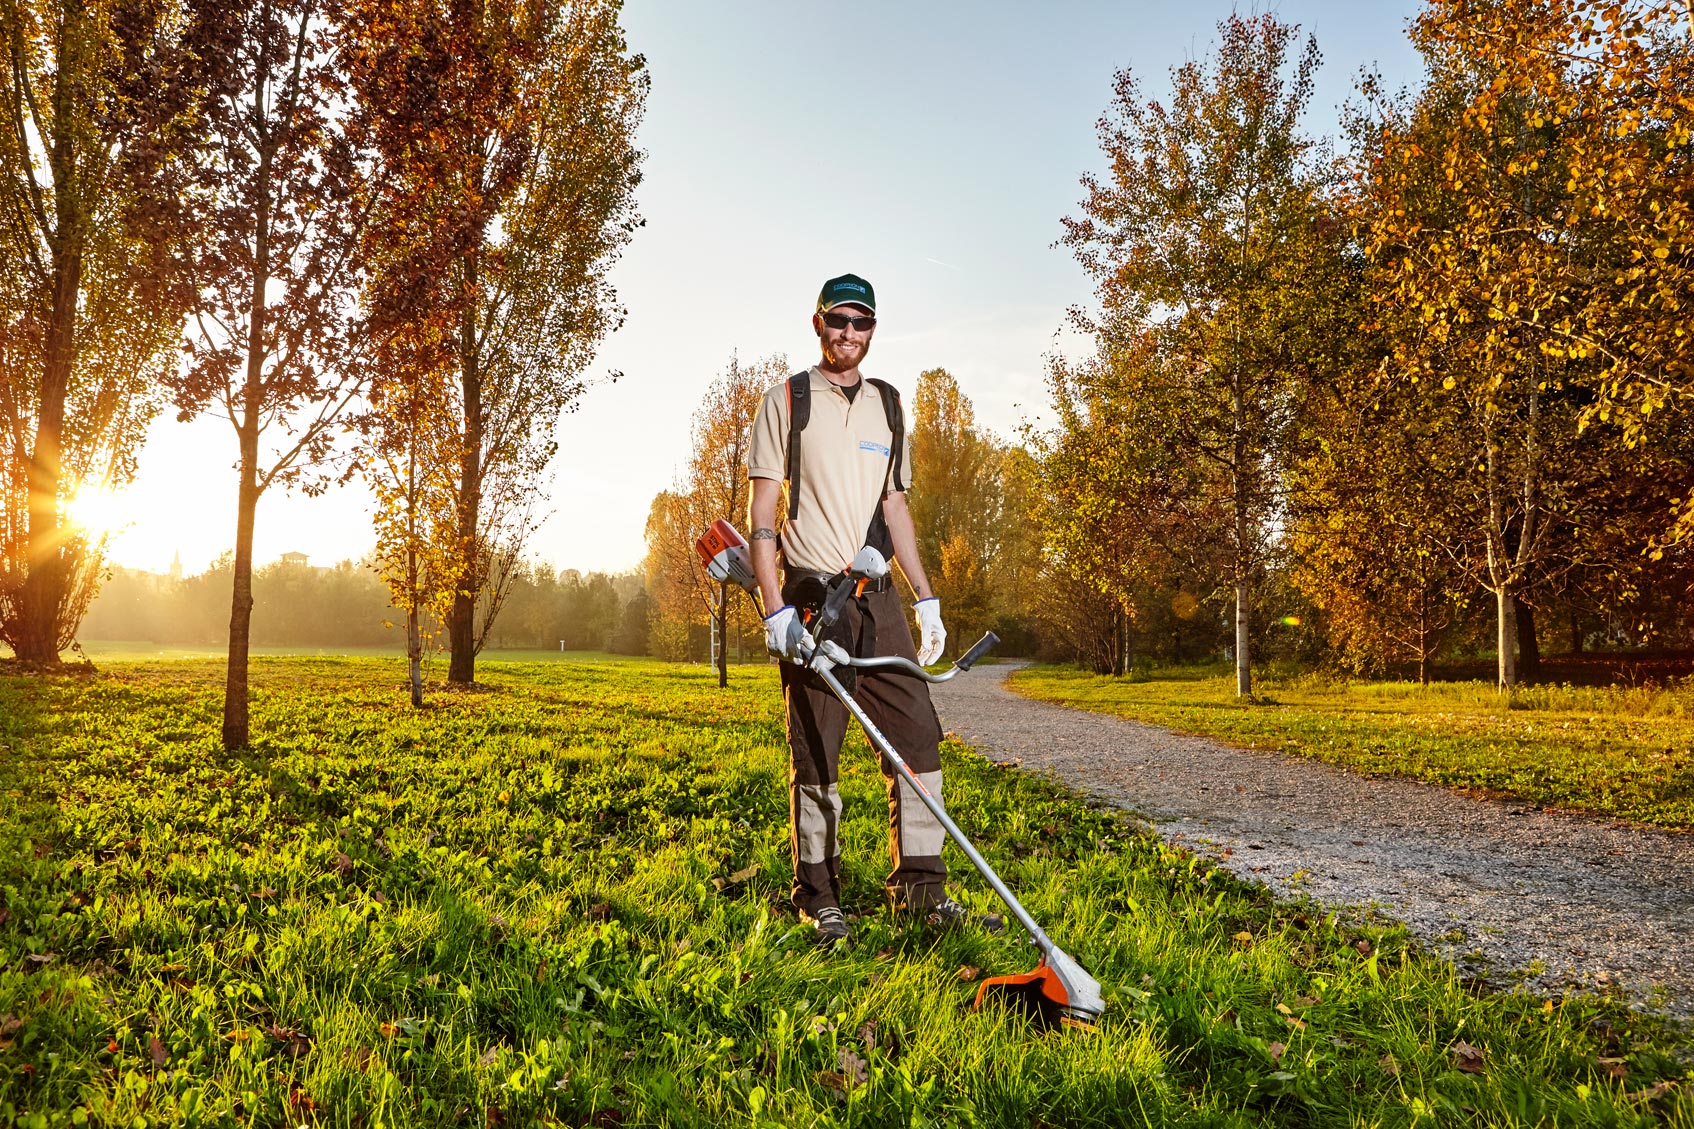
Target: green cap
847,290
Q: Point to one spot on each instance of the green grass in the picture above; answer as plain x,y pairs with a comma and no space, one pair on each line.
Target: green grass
1618,751
536,903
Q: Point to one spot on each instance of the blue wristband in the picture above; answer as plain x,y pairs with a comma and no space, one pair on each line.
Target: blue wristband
779,611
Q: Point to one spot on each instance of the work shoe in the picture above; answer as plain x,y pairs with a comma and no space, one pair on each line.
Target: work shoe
830,923
951,914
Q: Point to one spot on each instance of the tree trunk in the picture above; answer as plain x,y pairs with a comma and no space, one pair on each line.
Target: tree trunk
461,629
1423,637
1529,650
1506,637
45,584
1575,633
414,655
722,627
235,730
1243,562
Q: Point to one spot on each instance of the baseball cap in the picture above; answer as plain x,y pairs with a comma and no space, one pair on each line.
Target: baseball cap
847,289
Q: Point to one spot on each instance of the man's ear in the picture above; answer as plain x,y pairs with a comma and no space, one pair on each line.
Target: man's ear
817,324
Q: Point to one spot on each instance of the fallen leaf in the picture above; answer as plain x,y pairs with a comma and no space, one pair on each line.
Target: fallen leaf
605,1118
156,1051
600,911
172,967
853,1066
489,1057
969,972
744,875
1389,1066
1358,842
1243,937
42,958
343,864
1276,1051
1283,1008
1656,1090
831,1080
9,1023
1296,1022
112,1047
389,1030
1363,946
1307,1001
867,1035
362,1059
1467,1058
1614,1068
239,1035
884,954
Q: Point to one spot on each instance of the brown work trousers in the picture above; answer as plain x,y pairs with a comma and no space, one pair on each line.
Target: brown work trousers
898,704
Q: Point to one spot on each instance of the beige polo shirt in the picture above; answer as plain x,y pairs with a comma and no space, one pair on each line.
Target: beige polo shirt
844,454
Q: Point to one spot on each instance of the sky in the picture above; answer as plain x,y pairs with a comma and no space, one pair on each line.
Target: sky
931,147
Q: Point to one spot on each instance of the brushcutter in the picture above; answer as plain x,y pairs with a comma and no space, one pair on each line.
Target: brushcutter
1058,991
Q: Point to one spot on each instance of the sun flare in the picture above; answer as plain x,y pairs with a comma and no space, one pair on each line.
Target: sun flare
99,513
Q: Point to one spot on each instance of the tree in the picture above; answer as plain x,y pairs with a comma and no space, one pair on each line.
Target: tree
1209,235
505,130
955,501
269,347
715,487
1595,100
406,427
99,108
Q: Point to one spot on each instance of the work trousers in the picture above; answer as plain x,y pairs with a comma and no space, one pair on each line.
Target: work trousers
898,704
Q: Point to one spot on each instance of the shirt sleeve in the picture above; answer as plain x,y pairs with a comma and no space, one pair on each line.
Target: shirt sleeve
767,456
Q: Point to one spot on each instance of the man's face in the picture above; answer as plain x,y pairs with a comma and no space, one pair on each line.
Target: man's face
844,347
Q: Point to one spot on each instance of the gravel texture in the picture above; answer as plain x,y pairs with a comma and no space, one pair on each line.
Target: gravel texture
1504,889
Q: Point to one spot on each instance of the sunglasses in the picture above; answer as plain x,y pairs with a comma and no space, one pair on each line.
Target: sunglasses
842,321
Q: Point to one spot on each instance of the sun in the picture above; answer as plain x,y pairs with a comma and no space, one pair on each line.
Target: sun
98,513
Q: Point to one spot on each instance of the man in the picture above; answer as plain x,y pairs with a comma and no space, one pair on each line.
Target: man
847,489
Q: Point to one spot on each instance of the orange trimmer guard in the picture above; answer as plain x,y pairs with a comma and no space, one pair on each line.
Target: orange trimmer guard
1040,995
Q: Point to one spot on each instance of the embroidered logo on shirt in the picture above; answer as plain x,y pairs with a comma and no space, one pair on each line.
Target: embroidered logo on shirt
867,445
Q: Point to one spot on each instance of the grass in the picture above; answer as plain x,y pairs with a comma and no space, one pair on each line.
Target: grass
1619,751
562,900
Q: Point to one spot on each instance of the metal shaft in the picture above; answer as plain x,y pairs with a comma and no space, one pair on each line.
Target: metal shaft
894,758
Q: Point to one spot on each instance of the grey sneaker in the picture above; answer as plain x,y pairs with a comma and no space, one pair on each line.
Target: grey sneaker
830,923
952,914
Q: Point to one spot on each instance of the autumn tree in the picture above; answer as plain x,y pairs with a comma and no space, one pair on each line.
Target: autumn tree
100,112
1590,102
407,424
504,131
269,347
1209,234
715,487
956,501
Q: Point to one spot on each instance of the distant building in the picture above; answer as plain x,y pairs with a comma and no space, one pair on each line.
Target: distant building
294,559
176,566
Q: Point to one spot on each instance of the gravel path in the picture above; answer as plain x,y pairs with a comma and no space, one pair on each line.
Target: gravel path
1578,900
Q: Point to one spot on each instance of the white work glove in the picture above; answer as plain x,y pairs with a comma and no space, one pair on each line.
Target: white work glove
785,636
932,636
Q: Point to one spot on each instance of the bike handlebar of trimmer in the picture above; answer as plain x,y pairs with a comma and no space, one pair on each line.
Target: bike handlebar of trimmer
967,660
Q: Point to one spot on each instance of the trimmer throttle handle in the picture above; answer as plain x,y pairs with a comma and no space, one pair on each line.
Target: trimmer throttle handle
978,649
837,600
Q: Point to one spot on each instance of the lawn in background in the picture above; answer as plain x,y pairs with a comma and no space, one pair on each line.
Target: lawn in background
1619,751
561,898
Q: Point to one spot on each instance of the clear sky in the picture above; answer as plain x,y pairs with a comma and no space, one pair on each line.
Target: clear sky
931,147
